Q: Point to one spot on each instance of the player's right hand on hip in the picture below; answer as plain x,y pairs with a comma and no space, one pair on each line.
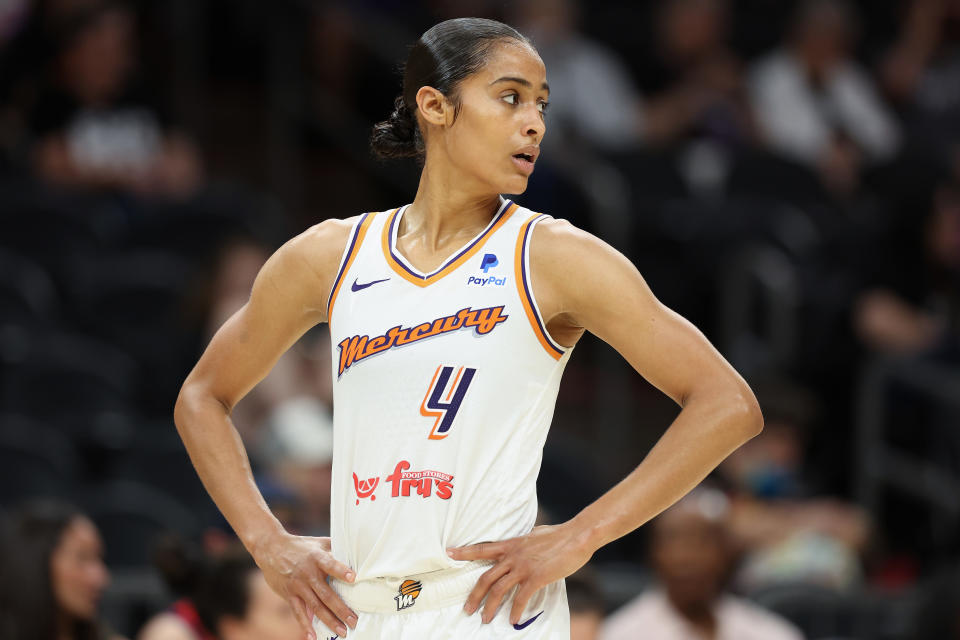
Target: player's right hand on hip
297,567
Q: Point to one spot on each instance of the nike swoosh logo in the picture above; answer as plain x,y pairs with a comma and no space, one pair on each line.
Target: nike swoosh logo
358,287
524,625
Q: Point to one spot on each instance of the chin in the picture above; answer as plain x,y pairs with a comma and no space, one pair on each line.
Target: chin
515,186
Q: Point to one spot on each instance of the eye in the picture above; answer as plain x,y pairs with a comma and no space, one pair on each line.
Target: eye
511,98
543,105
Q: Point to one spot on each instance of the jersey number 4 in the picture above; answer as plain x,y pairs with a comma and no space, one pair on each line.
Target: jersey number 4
444,409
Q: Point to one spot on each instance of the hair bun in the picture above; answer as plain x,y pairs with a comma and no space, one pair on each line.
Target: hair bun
399,135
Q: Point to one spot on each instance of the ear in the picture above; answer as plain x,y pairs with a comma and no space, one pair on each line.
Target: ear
434,106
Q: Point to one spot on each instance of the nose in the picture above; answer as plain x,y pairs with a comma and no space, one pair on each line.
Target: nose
534,124
101,576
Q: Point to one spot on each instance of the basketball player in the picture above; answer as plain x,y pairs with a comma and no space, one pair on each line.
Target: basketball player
452,319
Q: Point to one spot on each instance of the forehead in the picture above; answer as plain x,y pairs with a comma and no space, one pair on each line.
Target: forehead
80,532
681,519
511,58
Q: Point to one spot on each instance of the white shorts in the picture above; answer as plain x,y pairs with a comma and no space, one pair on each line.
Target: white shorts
429,606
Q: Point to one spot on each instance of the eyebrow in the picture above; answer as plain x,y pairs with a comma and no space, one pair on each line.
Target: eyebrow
520,81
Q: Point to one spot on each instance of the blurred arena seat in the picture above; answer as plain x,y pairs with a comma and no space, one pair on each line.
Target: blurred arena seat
50,226
127,291
54,373
761,173
131,516
155,456
35,461
134,300
191,231
823,613
27,293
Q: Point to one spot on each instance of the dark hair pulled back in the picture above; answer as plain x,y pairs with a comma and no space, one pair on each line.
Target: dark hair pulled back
444,55
217,585
28,606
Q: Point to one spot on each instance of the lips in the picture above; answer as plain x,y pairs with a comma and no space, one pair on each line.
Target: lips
525,166
525,157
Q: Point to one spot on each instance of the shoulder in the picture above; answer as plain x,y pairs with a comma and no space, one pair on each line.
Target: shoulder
319,247
302,270
324,238
641,612
752,619
558,240
562,252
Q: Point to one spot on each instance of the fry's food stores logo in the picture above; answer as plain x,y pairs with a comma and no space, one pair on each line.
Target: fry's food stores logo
404,483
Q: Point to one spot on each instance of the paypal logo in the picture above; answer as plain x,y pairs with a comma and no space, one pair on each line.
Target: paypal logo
489,281
489,262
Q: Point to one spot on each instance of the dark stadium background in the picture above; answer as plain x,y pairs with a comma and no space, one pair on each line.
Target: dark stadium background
109,290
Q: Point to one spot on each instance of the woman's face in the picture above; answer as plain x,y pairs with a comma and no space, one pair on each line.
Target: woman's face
78,574
501,115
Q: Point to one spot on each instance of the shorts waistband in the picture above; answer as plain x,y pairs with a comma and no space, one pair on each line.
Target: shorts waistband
431,590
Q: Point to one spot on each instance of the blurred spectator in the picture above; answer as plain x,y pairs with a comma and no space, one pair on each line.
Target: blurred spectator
296,451
93,126
13,14
692,81
53,576
230,601
592,95
785,533
586,605
921,75
304,370
692,556
815,104
913,303
182,566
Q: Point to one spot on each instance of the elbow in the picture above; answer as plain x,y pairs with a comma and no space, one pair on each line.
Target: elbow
749,415
182,407
195,397
189,398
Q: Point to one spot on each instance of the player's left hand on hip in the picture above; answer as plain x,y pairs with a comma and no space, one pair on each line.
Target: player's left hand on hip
530,562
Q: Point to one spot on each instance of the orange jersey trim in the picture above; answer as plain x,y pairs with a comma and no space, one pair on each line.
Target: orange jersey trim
526,293
423,281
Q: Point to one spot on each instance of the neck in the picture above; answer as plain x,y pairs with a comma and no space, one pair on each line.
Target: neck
64,627
699,615
446,206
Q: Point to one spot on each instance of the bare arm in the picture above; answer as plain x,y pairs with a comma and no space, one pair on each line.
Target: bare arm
288,298
582,284
595,287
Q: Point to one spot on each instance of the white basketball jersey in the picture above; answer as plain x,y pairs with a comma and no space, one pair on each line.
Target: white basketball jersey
444,389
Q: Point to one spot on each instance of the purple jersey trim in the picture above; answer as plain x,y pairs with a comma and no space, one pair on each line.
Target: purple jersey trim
346,259
416,274
528,288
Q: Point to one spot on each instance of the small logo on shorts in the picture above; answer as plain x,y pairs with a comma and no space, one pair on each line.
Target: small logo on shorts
409,590
523,625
